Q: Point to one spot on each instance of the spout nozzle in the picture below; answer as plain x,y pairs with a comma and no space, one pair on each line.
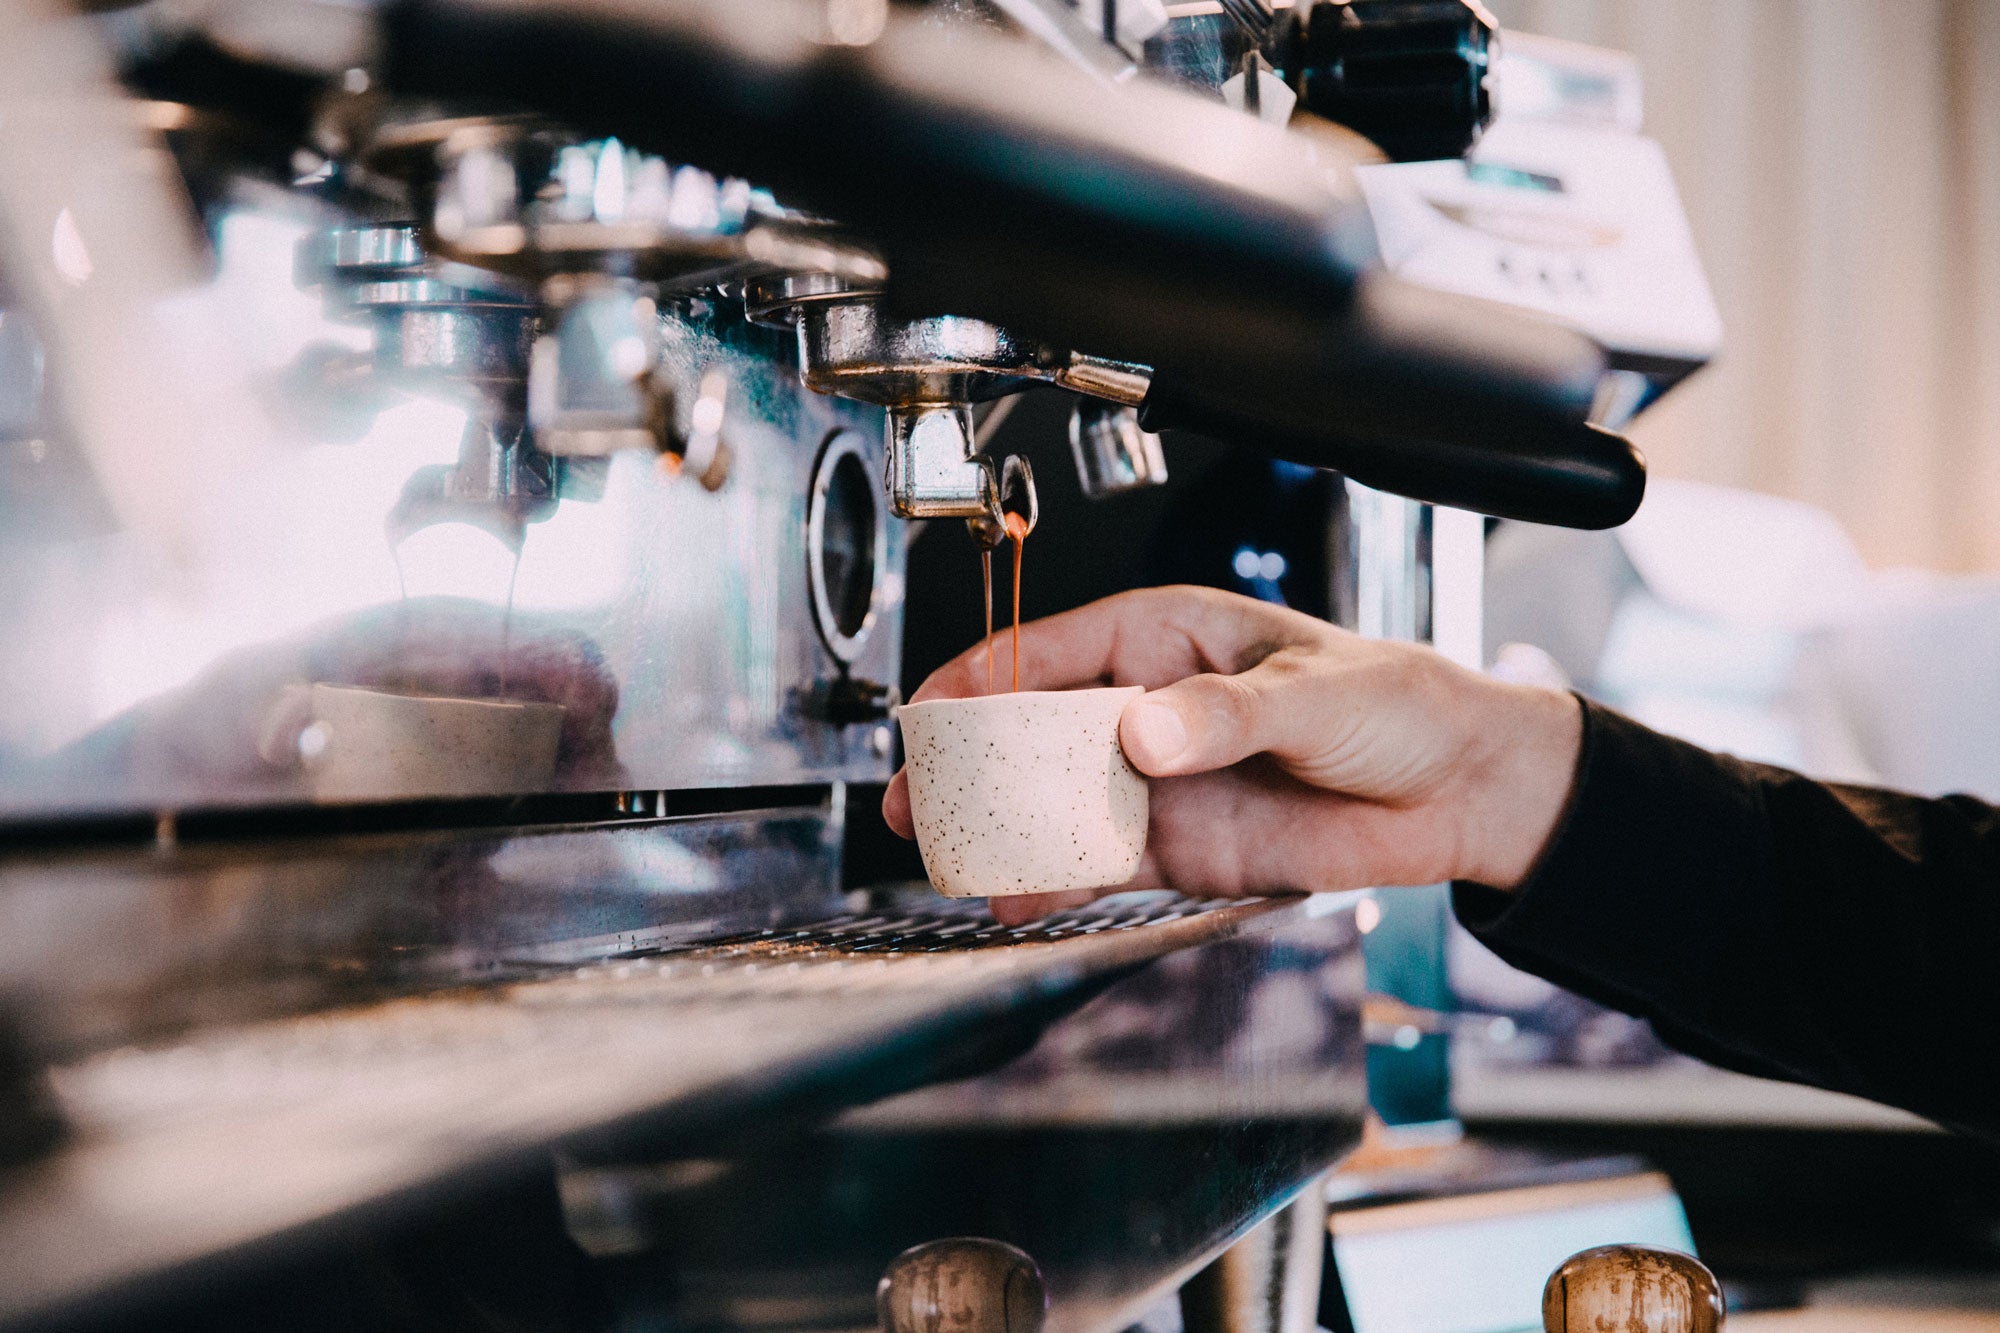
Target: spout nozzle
1113,452
934,470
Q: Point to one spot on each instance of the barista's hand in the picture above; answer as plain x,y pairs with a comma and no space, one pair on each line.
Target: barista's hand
1290,756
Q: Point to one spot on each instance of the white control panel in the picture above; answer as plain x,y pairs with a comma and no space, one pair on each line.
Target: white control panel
1562,207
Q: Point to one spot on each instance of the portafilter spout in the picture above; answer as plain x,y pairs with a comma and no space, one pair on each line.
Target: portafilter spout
928,372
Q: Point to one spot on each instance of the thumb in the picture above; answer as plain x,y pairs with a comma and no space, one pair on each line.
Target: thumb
1207,722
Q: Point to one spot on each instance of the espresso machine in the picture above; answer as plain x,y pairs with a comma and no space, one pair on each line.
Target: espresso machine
457,460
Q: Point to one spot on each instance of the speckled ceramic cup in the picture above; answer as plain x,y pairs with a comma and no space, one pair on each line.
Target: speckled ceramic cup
374,745
1024,793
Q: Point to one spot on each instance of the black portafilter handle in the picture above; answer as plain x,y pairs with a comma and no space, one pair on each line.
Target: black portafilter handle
1571,475
1437,397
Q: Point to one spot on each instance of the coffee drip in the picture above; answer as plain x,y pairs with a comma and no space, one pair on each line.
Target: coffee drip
1017,532
507,614
1017,481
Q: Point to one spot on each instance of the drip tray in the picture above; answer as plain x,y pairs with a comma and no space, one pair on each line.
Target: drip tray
236,1136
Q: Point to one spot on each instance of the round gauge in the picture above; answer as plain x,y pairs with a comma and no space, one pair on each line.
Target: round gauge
846,545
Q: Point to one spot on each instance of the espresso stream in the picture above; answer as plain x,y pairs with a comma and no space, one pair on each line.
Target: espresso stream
507,616
1017,532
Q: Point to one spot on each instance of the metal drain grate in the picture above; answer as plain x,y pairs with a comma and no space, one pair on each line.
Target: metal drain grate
920,954
932,932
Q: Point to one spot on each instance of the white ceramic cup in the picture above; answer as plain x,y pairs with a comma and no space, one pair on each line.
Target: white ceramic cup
1024,793
364,744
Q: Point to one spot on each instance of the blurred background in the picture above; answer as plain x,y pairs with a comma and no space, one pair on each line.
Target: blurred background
1840,163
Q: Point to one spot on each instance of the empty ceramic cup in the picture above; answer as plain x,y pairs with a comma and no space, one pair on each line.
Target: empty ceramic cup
1024,793
374,745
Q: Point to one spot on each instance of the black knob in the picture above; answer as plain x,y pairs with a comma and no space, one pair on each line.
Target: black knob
1409,74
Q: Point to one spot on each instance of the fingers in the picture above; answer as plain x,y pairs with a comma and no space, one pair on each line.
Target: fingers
1149,637
1254,830
1145,638
1057,652
1211,721
1181,643
896,806
1022,908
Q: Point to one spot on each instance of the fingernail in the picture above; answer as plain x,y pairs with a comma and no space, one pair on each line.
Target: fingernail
1155,730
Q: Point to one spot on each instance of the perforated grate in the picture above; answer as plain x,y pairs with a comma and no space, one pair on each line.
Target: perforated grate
934,932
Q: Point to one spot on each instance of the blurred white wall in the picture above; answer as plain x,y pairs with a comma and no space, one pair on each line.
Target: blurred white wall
1841,164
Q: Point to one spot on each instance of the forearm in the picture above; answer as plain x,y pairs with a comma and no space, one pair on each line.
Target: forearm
1836,936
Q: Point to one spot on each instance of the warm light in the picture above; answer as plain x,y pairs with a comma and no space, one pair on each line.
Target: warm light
66,248
856,22
1367,915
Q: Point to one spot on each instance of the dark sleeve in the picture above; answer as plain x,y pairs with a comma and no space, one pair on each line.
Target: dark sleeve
1840,936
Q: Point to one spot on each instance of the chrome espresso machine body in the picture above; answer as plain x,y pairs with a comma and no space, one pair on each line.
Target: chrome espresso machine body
455,458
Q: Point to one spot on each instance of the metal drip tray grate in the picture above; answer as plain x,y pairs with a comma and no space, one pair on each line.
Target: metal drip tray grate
927,954
937,932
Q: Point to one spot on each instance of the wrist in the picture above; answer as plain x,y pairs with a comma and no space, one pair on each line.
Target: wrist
1525,743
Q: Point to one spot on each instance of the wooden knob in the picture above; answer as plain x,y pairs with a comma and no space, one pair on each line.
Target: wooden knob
963,1285
1631,1289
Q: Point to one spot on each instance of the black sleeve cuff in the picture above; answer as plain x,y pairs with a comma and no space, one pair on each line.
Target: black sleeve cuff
1840,936
1647,884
